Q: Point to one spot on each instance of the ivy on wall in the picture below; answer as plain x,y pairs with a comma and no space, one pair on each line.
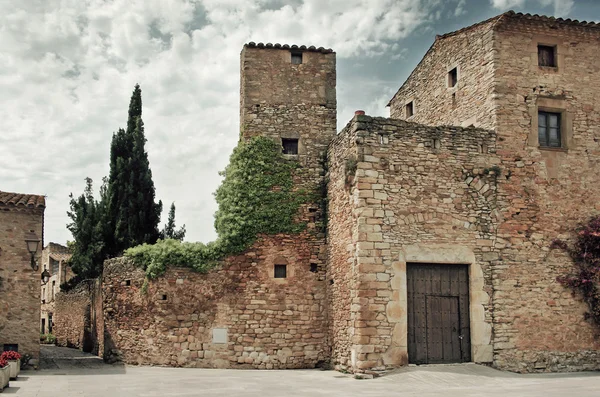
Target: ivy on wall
257,196
585,279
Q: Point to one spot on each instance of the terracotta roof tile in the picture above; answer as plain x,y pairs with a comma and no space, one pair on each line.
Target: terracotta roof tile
22,200
311,48
520,15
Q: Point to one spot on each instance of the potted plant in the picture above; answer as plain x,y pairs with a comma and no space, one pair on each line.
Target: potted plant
4,373
14,361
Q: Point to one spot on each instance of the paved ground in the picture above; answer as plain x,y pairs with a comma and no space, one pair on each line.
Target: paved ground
71,373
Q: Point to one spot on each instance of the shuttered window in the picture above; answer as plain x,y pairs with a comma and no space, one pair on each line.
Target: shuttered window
546,56
280,271
549,129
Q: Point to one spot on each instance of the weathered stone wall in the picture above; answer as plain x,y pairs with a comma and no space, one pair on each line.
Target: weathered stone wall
543,193
19,284
341,238
78,317
266,322
419,194
540,326
470,102
284,100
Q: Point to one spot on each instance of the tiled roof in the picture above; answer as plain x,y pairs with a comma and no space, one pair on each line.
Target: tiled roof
530,17
22,200
311,48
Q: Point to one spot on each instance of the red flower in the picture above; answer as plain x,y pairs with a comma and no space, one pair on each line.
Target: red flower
10,355
3,363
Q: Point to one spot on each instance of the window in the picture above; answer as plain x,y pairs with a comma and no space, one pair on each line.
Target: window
11,347
280,271
290,145
452,77
127,283
296,58
53,288
549,129
314,267
547,56
410,110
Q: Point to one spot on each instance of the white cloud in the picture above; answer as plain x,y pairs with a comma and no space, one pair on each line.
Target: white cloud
561,7
69,67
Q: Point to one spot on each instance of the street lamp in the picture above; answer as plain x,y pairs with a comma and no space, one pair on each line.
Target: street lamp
32,245
45,277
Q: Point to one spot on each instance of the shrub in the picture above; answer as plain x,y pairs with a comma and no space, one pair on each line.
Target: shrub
3,363
585,278
257,196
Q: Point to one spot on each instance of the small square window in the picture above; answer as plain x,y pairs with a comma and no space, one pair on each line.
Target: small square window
290,145
549,129
128,282
314,267
453,77
11,347
163,297
410,109
547,56
280,271
296,58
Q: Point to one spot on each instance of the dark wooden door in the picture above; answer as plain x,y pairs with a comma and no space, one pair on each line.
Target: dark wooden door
438,313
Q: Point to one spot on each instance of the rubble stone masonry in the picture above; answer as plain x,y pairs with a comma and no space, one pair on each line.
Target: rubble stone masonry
237,316
19,284
79,318
413,194
544,193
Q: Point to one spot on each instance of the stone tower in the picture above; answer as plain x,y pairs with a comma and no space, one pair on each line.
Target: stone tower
288,94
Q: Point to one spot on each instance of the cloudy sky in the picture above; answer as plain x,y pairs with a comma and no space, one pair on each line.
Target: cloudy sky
67,69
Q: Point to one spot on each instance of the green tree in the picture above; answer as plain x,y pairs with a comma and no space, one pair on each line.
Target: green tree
169,230
132,214
87,228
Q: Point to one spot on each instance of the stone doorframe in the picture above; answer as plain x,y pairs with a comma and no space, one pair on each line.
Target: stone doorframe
481,331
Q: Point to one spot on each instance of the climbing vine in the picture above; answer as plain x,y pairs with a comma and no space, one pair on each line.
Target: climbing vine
585,279
257,196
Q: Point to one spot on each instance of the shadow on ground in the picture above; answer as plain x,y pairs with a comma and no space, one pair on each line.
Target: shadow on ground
63,361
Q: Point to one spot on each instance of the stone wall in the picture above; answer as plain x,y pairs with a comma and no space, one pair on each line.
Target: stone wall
341,238
19,284
544,193
236,316
468,103
541,327
418,194
78,317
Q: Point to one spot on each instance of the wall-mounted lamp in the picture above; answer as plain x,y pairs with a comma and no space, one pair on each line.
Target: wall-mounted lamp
32,246
45,277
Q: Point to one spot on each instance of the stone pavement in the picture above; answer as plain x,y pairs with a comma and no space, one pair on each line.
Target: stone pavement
73,373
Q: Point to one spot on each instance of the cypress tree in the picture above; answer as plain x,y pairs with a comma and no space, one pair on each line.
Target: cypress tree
132,214
169,229
87,228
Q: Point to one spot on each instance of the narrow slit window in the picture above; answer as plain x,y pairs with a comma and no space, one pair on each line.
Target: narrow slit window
547,56
410,109
453,77
290,146
280,271
549,129
296,58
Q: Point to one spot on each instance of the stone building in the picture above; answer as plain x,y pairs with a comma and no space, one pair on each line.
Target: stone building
54,260
21,219
440,218
532,80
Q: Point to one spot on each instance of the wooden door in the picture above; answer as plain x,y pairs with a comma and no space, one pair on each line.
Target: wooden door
438,313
